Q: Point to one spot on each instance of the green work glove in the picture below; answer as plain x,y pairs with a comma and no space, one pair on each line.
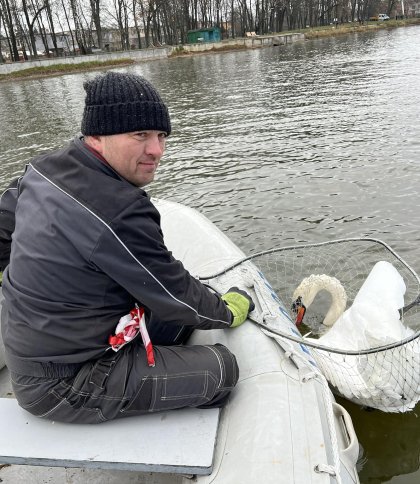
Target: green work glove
239,303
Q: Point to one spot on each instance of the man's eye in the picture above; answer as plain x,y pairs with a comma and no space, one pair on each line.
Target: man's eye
163,135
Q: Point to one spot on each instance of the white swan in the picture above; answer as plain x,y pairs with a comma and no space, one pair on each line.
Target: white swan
388,380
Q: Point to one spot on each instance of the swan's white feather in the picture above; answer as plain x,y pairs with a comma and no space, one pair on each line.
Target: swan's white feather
373,319
388,380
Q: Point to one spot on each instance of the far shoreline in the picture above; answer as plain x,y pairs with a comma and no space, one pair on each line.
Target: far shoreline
62,69
183,51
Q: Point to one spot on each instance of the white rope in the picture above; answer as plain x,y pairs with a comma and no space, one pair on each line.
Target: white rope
324,468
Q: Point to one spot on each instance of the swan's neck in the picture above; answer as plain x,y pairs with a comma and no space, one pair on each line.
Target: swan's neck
319,282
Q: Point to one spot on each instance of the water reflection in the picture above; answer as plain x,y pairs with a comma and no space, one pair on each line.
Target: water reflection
398,445
310,142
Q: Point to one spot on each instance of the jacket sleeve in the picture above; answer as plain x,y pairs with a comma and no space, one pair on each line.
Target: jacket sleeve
8,203
131,250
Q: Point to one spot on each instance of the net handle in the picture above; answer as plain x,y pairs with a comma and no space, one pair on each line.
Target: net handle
328,349
303,341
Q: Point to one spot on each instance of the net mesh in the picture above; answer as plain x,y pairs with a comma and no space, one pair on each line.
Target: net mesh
386,377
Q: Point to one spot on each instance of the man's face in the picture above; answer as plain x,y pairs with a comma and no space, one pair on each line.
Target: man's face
135,156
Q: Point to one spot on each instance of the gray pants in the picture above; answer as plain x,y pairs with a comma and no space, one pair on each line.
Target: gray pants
122,384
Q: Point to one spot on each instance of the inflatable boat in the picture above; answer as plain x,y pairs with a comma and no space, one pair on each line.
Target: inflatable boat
281,423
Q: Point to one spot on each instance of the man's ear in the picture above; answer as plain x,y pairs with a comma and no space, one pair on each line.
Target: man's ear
95,142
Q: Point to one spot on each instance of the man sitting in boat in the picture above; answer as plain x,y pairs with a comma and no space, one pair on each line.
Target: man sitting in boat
96,308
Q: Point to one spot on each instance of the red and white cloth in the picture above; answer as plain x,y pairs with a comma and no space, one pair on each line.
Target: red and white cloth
128,327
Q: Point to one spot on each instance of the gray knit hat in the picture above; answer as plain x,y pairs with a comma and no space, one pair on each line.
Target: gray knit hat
121,103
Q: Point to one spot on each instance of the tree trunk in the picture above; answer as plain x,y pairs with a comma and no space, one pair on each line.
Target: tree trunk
78,27
136,23
232,18
96,17
68,25
5,6
1,53
30,25
44,36
51,26
146,22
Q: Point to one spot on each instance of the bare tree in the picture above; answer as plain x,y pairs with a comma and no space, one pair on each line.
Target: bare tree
136,22
165,21
146,14
10,29
69,27
122,17
1,52
78,26
51,25
96,18
27,9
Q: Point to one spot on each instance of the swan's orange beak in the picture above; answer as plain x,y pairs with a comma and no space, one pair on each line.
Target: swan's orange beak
300,314
299,309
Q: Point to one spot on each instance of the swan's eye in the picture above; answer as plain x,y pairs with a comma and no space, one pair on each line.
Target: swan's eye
297,304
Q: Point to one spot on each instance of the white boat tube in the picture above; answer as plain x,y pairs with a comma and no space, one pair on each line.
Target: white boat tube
281,424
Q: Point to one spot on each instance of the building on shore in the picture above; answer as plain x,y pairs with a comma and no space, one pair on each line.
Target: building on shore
212,34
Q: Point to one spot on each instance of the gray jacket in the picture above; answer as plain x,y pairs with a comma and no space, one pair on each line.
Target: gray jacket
86,246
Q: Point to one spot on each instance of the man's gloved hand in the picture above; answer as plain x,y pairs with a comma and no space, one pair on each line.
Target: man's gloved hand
240,305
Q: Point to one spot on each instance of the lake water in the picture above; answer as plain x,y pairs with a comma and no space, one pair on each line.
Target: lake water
306,143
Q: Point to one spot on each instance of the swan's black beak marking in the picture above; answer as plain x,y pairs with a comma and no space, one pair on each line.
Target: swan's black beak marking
298,309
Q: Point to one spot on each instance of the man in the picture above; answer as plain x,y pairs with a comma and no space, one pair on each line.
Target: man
87,253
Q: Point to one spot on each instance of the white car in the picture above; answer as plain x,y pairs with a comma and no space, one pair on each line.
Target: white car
383,16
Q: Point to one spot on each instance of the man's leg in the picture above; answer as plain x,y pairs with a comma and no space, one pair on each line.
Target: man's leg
122,384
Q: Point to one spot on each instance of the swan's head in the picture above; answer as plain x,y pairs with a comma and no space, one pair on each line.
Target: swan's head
305,293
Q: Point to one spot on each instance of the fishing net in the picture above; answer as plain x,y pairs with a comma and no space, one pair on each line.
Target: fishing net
383,376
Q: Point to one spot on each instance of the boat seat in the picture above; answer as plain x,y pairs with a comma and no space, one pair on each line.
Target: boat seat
177,441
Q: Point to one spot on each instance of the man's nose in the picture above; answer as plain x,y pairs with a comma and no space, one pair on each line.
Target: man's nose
155,145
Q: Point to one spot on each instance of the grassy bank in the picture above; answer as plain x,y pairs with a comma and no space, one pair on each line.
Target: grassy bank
56,69
181,51
332,30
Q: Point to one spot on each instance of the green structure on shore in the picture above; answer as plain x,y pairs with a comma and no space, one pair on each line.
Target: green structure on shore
212,34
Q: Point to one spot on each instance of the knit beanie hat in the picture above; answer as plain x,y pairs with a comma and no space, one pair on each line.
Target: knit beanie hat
121,103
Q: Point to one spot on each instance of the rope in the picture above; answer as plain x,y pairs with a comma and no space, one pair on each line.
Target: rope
329,349
324,468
